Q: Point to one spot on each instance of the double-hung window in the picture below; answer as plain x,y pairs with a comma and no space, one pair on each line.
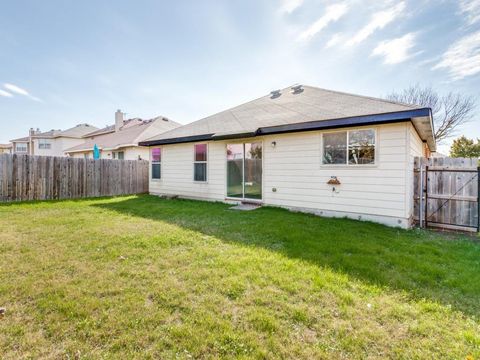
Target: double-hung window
353,147
200,162
156,163
20,147
44,144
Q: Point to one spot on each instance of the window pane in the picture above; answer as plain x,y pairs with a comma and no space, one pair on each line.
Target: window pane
156,171
335,148
253,171
156,155
361,147
120,155
235,170
200,172
201,152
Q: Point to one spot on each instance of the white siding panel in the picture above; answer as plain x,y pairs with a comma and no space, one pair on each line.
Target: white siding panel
415,148
177,173
293,175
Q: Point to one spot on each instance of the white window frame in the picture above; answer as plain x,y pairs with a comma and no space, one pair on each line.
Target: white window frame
347,164
200,162
42,144
115,154
243,142
156,162
21,147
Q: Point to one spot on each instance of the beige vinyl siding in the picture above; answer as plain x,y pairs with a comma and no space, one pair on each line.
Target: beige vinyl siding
415,149
177,172
294,169
130,153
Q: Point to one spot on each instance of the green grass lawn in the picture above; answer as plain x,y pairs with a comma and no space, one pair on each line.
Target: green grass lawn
142,277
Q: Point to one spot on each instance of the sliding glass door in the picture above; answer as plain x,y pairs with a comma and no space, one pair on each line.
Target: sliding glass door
235,170
244,171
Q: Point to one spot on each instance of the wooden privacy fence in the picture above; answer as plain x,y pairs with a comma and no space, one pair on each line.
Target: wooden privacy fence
26,177
446,193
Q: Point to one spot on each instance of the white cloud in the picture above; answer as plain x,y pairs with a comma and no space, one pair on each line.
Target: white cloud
462,59
18,90
471,10
289,6
332,14
334,40
378,21
5,93
397,50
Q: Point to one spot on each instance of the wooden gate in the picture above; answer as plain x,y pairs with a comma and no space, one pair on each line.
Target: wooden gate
446,193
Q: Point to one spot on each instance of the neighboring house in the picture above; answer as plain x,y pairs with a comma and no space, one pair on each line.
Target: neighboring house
6,148
120,141
53,142
21,145
303,148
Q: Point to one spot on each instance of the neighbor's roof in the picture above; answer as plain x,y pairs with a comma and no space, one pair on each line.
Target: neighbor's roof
78,131
127,136
24,139
111,128
107,129
5,146
289,108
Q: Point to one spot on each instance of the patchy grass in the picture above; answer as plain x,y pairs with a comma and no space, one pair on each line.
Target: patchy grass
141,277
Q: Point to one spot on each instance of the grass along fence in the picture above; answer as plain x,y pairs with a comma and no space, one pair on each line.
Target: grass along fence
25,177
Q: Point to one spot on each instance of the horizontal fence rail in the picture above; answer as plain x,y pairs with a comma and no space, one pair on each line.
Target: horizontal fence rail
26,177
446,193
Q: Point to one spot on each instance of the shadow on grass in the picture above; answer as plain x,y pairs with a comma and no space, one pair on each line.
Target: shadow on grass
422,263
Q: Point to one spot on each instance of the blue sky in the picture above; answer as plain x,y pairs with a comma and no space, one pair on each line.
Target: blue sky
64,62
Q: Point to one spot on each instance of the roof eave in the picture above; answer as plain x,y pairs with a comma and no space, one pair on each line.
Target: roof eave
177,140
374,119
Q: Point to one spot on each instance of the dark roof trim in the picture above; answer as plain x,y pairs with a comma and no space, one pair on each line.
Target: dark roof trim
179,140
345,122
375,119
235,136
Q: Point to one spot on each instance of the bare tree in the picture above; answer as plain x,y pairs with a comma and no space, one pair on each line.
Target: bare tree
449,111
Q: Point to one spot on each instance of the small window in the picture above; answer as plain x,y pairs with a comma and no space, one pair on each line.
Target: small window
119,155
354,147
21,147
44,144
200,163
156,163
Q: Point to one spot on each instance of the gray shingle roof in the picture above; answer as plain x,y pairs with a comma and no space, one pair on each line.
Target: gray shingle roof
127,136
77,131
23,139
312,104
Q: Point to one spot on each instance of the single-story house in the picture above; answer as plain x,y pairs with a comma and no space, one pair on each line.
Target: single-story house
302,148
120,141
